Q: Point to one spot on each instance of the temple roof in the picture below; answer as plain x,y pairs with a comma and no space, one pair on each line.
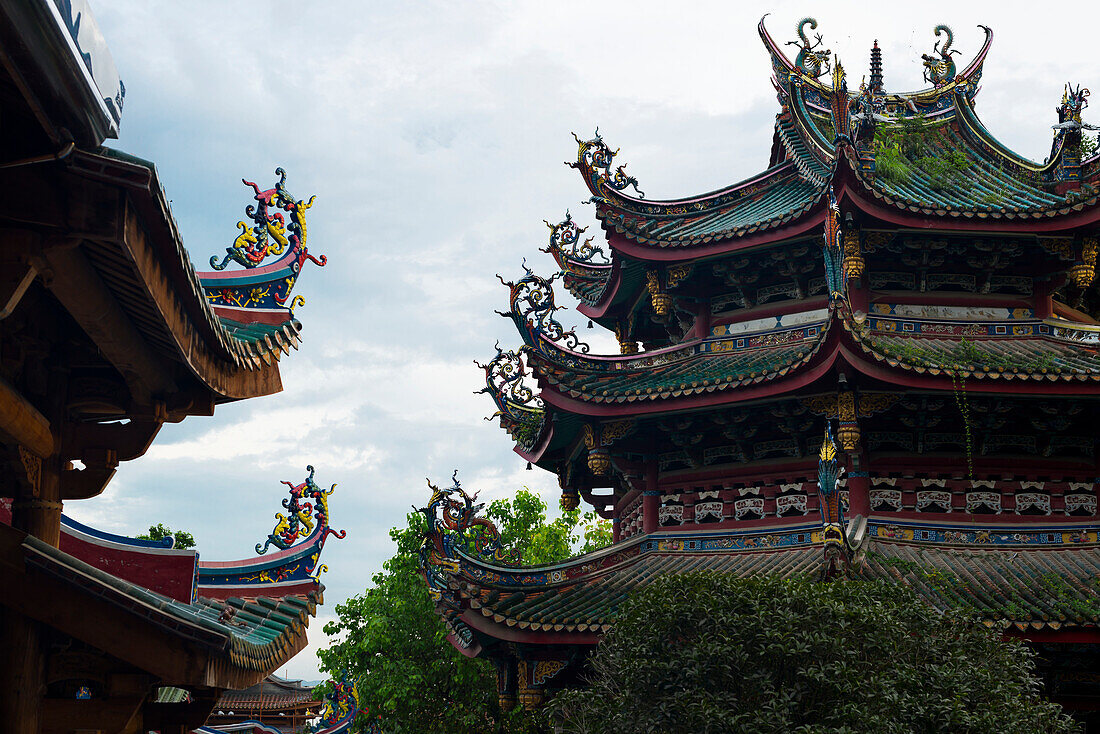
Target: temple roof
1025,351
238,640
704,367
271,693
232,349
765,202
810,139
1006,582
1032,350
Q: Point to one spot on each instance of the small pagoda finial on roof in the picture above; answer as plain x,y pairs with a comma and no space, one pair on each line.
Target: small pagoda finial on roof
876,69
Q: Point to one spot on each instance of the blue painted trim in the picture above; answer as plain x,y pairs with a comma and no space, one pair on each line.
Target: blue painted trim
68,522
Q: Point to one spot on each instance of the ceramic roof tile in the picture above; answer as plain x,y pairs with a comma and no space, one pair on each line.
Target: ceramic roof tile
1059,585
687,371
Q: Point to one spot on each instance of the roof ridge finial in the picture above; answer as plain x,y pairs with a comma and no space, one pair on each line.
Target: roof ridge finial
876,69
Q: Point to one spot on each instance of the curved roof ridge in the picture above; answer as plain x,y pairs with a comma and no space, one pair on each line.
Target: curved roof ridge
788,74
972,124
1035,355
737,361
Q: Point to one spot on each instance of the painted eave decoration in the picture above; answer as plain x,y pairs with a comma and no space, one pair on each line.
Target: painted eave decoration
253,301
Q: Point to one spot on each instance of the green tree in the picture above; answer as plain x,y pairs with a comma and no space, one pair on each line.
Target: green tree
160,531
708,652
522,524
392,640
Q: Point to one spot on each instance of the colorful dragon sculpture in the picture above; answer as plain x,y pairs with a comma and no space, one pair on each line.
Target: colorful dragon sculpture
453,525
270,233
531,299
340,707
940,71
307,503
832,515
813,62
521,412
1074,102
594,160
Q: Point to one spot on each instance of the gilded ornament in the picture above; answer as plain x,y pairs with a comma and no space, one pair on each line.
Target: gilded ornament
848,435
569,501
661,302
615,430
1083,273
677,274
626,344
599,462
853,265
846,405
1060,246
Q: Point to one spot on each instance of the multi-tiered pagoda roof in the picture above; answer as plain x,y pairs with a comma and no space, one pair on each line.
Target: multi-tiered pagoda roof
880,356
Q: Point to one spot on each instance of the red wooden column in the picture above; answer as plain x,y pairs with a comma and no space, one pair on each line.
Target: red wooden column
651,500
859,486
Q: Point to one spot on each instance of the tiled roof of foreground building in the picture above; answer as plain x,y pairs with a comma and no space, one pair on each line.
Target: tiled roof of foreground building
1034,582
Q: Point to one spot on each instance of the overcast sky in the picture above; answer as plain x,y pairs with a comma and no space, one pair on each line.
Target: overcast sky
433,135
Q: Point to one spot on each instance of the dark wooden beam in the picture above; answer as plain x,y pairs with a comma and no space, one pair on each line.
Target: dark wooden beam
108,715
21,423
16,276
79,289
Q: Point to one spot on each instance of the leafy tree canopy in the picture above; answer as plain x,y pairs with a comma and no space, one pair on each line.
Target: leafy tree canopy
160,531
707,652
392,640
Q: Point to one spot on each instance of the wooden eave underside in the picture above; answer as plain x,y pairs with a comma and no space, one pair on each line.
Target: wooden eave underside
110,215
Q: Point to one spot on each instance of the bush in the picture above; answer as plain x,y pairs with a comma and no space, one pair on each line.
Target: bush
711,653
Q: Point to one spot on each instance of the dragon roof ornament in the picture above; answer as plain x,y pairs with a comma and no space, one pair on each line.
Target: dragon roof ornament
307,512
532,308
340,708
1074,102
277,229
269,233
811,61
832,513
451,526
802,77
520,410
594,161
566,245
